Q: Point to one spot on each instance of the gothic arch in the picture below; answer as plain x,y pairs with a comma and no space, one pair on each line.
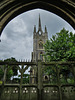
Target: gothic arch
40,45
11,8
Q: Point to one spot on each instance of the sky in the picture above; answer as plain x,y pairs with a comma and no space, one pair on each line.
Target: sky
17,36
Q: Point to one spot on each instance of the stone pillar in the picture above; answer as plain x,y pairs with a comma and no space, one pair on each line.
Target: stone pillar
21,81
73,71
40,81
22,70
58,82
4,78
33,76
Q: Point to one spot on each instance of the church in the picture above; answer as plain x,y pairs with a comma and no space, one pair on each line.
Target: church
39,38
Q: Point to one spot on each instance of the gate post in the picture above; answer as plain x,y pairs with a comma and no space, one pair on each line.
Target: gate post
58,82
73,71
21,83
40,82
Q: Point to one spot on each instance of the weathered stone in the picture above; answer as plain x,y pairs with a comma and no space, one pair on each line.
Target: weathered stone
11,8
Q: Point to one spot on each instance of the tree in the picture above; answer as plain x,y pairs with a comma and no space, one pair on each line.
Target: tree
25,78
1,73
14,68
11,70
61,47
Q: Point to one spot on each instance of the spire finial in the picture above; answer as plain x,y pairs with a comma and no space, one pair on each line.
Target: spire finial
45,29
39,23
34,28
0,38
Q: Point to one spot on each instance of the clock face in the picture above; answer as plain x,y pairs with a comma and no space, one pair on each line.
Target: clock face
40,32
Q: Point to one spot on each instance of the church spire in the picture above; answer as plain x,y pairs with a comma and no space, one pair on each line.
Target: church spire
39,27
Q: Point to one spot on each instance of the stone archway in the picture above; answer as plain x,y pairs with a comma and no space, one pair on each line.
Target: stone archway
12,8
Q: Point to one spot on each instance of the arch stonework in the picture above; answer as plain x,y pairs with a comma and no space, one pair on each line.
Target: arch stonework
11,8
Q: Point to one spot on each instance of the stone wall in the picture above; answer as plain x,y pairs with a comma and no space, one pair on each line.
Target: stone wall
13,93
31,93
52,93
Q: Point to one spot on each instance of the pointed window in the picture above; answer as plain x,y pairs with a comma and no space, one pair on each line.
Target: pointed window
40,45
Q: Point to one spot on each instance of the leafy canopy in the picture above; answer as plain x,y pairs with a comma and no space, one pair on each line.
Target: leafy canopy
61,47
12,70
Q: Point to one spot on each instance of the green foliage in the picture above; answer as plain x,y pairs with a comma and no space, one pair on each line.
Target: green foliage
11,70
25,78
14,67
1,82
16,80
9,74
1,73
61,47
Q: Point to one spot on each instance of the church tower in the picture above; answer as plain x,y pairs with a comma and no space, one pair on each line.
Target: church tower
39,38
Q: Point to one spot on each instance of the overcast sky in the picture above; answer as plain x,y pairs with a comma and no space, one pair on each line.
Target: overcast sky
17,37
